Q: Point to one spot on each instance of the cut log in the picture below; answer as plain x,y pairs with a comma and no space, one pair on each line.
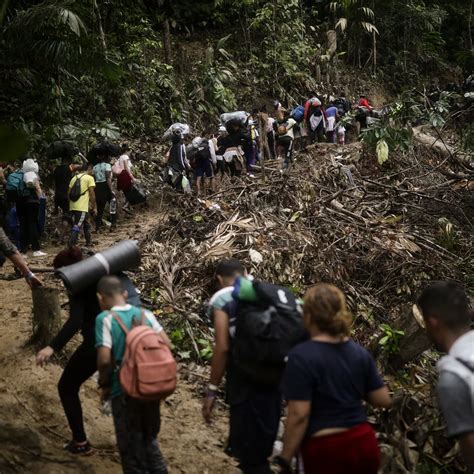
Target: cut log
439,146
46,315
414,342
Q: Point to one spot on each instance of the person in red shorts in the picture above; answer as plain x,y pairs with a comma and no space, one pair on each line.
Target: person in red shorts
325,382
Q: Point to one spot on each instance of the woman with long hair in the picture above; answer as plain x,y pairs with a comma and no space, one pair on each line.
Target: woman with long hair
83,309
326,381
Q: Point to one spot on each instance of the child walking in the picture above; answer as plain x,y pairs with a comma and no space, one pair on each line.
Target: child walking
137,422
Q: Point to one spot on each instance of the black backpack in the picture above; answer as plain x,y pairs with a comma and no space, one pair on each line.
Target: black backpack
265,332
75,191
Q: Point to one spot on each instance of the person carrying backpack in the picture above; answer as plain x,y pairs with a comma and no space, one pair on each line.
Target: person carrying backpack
444,306
177,161
314,119
332,115
285,138
82,202
326,380
203,166
104,191
27,195
254,398
62,176
136,420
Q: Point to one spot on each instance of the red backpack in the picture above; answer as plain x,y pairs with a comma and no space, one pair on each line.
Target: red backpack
148,370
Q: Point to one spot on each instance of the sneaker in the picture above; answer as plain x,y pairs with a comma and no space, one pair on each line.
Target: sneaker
39,253
81,449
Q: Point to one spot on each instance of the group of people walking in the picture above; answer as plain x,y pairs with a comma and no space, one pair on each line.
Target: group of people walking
81,191
319,388
244,139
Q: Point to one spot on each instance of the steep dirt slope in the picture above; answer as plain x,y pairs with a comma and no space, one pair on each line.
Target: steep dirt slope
33,428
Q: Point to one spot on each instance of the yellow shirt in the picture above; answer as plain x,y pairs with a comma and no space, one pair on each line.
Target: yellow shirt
82,204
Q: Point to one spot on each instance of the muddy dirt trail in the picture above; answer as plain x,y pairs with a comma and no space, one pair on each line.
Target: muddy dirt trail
33,428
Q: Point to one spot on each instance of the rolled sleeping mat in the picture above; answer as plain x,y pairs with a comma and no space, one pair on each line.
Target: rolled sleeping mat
123,256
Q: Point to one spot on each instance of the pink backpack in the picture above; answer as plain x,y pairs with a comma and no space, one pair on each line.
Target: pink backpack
148,370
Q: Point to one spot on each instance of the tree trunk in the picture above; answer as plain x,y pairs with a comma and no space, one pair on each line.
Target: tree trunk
167,40
46,315
318,73
99,23
469,27
375,52
414,342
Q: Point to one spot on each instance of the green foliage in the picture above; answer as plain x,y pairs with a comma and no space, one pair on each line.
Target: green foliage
447,235
390,339
285,50
69,66
206,350
215,81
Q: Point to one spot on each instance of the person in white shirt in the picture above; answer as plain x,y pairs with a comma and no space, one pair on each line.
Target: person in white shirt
124,163
286,137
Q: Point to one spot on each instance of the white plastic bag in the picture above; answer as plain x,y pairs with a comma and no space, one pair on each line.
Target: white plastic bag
186,185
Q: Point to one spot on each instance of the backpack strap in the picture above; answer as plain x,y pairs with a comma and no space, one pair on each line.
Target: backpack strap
143,320
117,318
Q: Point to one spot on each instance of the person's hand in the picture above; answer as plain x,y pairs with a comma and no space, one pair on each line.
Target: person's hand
280,465
207,407
44,355
33,281
105,394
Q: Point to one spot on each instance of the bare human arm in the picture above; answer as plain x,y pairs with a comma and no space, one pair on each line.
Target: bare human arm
380,398
38,190
20,263
127,167
104,366
108,177
466,442
219,358
93,203
296,426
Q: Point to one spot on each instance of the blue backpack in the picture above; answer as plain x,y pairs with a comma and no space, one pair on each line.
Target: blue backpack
16,188
297,113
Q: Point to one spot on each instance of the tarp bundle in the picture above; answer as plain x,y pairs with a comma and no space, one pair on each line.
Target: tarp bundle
181,128
240,117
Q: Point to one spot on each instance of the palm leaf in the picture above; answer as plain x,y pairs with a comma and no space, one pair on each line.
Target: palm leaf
71,20
369,27
368,12
341,24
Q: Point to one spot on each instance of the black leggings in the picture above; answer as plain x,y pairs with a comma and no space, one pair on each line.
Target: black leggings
28,218
81,366
286,142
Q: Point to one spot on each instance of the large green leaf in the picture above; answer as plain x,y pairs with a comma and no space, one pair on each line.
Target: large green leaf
382,151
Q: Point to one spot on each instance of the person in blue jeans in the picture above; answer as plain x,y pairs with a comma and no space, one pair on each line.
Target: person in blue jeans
137,422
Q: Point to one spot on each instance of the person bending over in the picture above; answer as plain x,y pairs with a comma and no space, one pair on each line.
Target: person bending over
83,310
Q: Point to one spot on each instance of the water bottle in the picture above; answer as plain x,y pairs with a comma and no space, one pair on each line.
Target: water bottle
113,206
